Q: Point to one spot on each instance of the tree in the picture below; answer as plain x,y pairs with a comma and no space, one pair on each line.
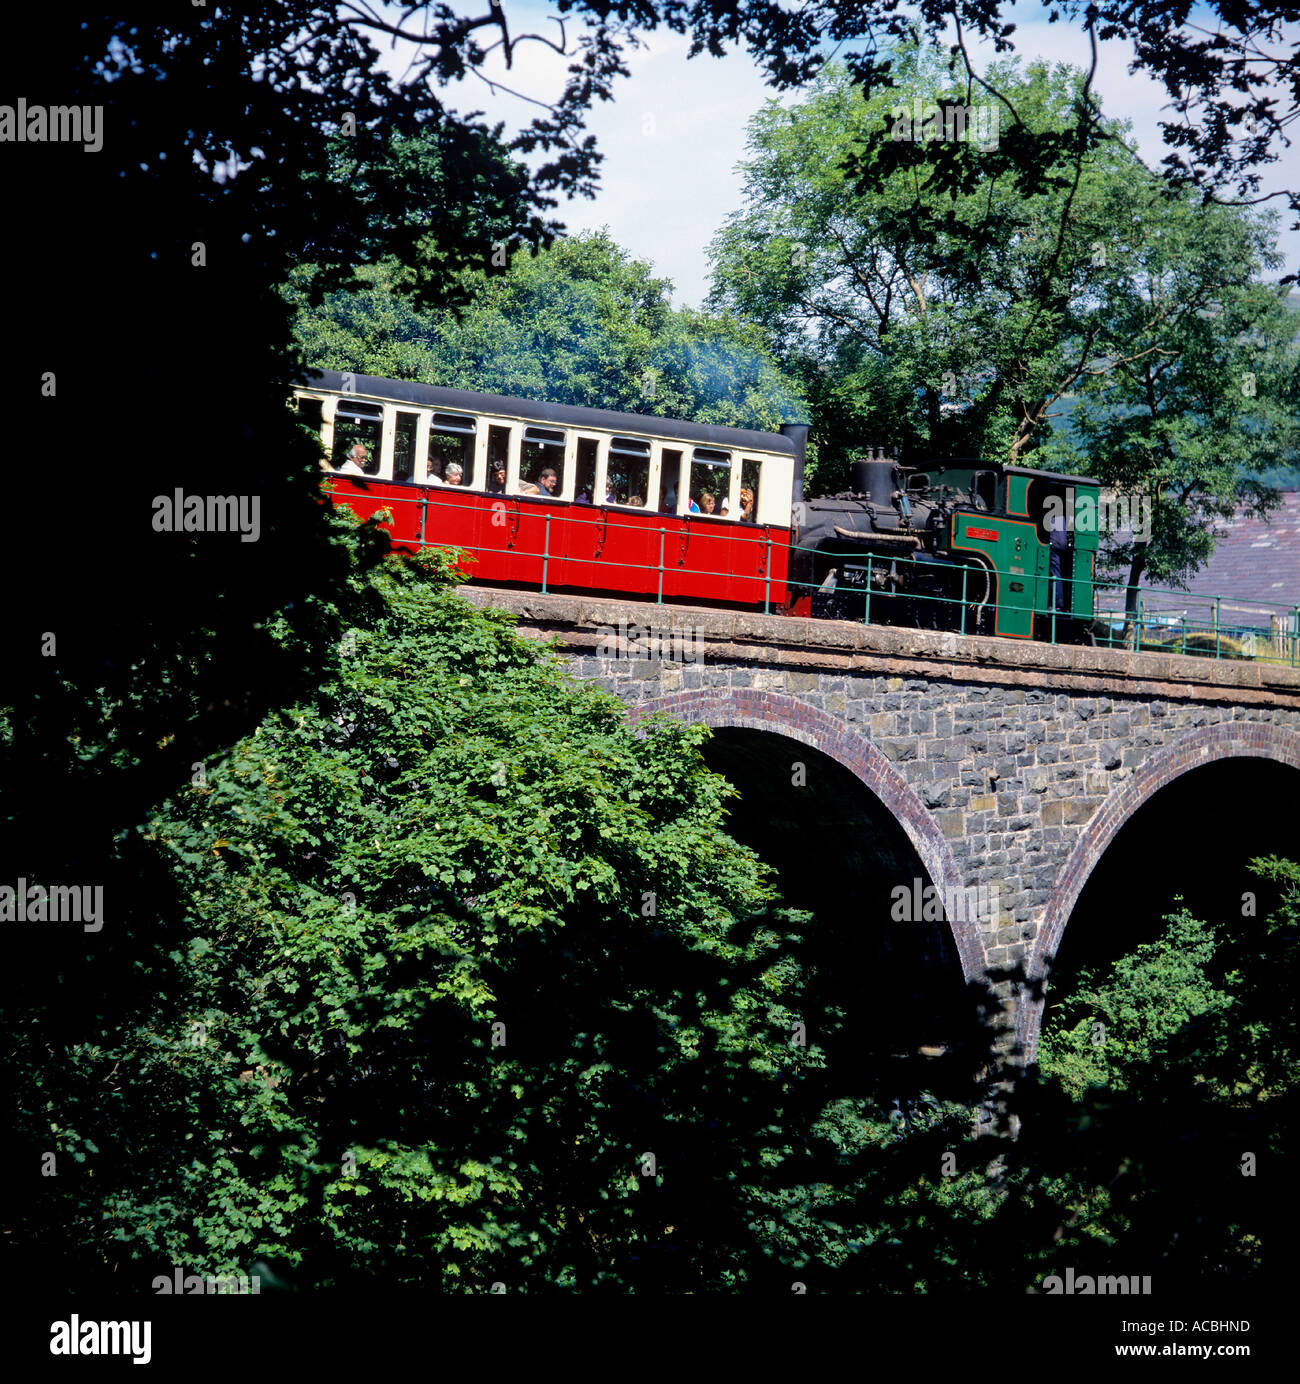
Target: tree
1185,1061
1191,385
916,312
1154,1136
445,975
166,364
1087,313
580,323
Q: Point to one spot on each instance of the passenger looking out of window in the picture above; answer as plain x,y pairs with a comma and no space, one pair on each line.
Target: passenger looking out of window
547,481
455,471
670,501
358,458
746,506
497,479
707,502
636,500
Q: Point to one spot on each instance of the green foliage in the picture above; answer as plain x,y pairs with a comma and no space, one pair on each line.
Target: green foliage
1130,1152
1151,995
453,834
1191,1077
1219,989
954,298
1194,381
921,309
580,323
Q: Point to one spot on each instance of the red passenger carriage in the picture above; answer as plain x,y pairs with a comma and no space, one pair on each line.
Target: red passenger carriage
628,510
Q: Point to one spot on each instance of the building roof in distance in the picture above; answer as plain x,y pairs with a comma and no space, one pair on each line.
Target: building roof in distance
1255,568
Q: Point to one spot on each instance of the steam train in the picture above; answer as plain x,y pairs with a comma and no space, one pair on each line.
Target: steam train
562,498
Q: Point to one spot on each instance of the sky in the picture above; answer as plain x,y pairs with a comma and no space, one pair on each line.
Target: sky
674,134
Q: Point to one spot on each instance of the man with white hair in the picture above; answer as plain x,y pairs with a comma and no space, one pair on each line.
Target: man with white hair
357,461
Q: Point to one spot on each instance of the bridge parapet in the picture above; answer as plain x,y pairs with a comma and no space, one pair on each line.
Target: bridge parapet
580,623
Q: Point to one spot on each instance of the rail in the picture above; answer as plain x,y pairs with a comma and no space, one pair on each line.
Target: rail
1161,619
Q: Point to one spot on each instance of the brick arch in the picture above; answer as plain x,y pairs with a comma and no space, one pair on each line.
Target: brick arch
1237,740
784,715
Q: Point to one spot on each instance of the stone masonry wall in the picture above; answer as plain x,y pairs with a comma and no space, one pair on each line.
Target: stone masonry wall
1014,767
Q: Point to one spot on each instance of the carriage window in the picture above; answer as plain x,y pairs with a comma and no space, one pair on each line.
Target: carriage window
750,475
451,449
357,428
405,435
310,411
310,414
585,483
498,458
541,462
710,479
670,480
627,477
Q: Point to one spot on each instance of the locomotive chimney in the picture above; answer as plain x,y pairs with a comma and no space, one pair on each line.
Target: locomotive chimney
798,434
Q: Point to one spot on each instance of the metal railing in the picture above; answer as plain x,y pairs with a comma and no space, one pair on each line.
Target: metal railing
1161,619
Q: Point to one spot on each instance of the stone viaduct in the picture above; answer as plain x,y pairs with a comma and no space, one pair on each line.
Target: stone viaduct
1006,763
